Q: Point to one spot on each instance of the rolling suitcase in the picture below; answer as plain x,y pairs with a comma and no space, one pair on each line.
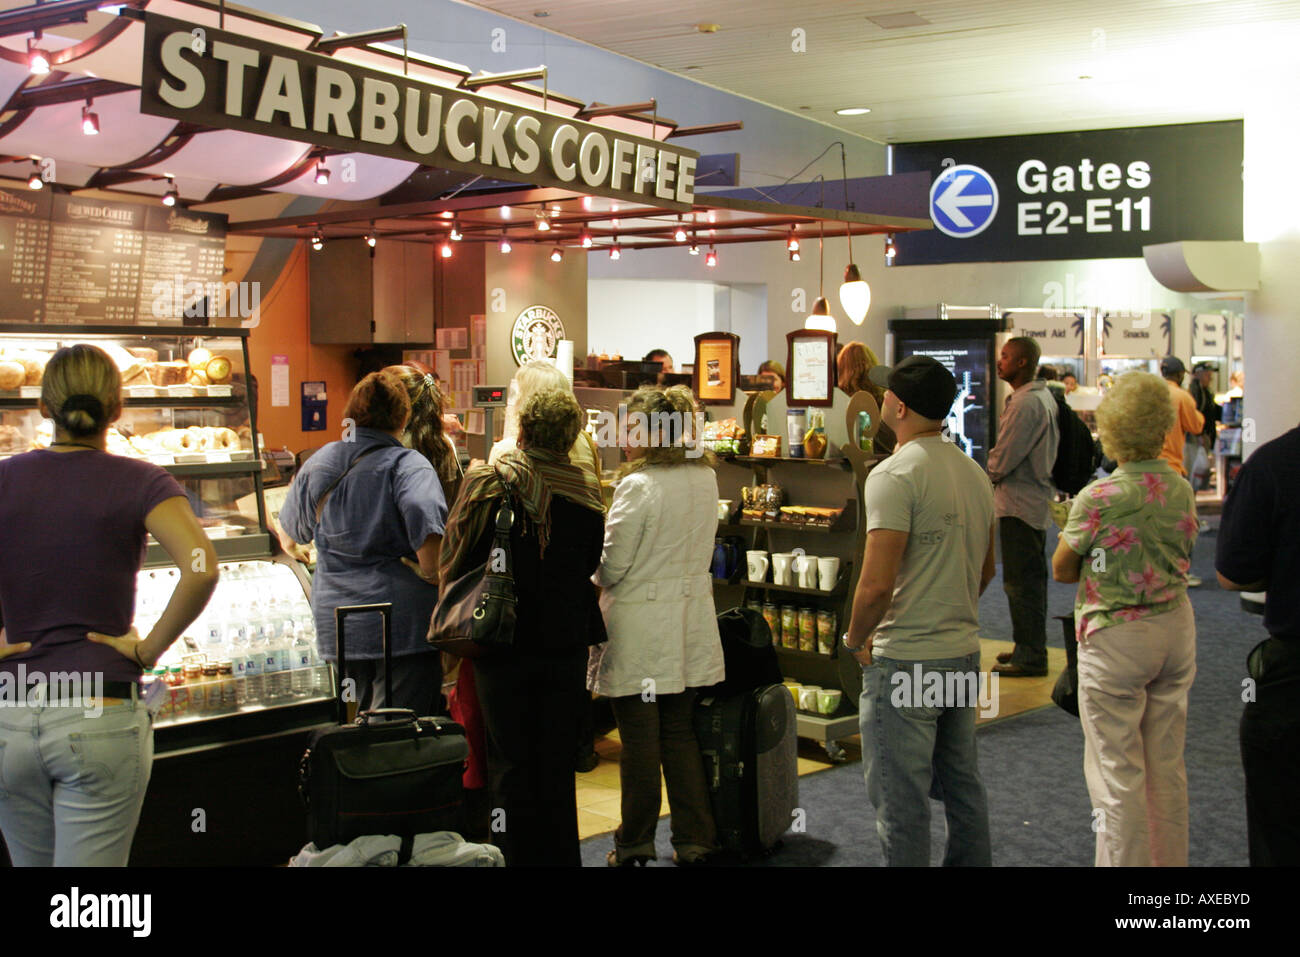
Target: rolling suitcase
390,772
746,730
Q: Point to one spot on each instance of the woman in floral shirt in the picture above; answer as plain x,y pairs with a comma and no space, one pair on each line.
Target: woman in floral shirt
1129,543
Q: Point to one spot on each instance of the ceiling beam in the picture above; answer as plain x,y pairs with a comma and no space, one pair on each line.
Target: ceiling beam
66,91
43,16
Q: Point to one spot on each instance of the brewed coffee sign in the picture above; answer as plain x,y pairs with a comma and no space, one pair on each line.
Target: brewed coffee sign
1096,195
226,81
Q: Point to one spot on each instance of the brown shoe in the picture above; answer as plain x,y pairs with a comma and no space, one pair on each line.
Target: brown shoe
1004,656
1019,671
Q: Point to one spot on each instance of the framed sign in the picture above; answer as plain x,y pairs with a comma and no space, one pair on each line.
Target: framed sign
717,358
810,364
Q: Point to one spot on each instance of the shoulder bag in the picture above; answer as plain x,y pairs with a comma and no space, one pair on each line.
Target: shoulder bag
476,612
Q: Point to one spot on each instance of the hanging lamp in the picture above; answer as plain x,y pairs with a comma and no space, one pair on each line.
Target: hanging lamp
820,317
855,294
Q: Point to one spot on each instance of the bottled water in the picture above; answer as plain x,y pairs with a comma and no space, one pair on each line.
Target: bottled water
273,659
254,677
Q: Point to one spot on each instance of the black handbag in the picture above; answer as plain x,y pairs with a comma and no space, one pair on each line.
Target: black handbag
476,612
390,772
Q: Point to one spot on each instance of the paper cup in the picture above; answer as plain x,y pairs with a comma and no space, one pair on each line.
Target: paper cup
828,700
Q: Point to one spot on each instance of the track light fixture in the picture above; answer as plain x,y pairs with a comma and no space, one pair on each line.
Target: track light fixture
89,120
557,254
615,253
585,239
711,258
445,249
890,249
792,243
38,60
322,173
543,223
317,241
370,240
679,234
505,244
794,256
695,249
171,197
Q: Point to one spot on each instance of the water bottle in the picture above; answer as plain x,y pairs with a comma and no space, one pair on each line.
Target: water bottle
302,655
254,680
272,661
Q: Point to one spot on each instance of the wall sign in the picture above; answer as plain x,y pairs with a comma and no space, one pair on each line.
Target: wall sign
1102,194
810,364
1057,334
1148,336
245,84
717,362
536,334
1210,333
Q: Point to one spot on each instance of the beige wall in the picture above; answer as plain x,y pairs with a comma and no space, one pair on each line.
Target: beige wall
527,277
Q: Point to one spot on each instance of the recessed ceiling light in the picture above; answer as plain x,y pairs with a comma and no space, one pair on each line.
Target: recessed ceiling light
706,27
1085,77
852,111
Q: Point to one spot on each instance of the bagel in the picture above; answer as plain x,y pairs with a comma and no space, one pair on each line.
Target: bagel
225,439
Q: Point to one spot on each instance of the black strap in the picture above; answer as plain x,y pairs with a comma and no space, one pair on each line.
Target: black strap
320,504
404,852
503,522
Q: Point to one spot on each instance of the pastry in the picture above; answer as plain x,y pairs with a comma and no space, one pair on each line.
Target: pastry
140,378
173,440
12,374
143,352
168,373
12,441
217,369
225,439
197,377
199,359
34,364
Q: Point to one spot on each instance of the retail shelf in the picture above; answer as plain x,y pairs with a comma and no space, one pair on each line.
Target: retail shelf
238,548
797,653
57,330
836,592
767,460
138,402
215,469
826,728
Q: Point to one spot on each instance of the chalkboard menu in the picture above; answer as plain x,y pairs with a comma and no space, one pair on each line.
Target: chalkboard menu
24,253
71,259
184,255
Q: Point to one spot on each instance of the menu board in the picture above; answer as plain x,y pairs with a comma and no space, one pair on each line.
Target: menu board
24,252
95,252
184,259
70,259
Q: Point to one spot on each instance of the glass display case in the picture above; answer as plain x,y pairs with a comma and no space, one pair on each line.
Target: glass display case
189,406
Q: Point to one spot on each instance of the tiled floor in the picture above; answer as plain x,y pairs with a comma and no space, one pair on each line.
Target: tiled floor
598,790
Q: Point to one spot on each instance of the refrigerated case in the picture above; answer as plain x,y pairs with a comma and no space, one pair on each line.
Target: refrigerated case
243,686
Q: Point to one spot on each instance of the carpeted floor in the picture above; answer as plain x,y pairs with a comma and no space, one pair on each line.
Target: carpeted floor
1032,764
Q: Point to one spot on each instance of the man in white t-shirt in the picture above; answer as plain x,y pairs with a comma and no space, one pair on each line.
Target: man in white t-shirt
915,624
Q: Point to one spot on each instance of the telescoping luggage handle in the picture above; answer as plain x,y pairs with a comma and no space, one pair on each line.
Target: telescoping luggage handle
385,610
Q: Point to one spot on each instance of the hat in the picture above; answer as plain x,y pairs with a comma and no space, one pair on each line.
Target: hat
922,383
1213,367
1172,365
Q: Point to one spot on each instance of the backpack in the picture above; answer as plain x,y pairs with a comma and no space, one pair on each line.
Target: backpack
1076,456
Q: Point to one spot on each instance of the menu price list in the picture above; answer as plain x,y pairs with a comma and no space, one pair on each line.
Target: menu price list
68,259
24,252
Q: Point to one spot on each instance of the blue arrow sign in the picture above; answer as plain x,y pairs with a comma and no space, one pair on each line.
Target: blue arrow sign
963,201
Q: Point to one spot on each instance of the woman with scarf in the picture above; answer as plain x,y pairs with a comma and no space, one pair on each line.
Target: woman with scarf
531,695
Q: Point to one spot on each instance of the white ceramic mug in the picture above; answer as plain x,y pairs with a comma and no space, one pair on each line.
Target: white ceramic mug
757,565
828,570
805,569
781,568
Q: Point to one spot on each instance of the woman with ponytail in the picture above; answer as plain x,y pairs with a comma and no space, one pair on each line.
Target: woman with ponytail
657,601
77,754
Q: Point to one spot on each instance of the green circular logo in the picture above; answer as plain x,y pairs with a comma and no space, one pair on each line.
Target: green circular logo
535,335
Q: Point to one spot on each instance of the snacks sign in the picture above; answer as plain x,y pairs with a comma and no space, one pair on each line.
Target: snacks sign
227,81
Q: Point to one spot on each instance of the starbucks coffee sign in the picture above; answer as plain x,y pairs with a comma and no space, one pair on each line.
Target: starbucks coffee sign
536,333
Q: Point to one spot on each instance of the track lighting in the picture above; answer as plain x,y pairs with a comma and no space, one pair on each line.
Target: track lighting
322,173
505,244
792,243
317,241
456,235
89,120
679,234
794,256
890,249
34,181
370,240
615,253
585,239
38,60
711,258
695,249
543,224
170,197
445,249
557,254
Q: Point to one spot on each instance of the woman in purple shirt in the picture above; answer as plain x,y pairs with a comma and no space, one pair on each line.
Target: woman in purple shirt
76,742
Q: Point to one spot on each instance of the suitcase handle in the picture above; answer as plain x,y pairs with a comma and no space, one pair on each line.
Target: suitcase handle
387,714
385,610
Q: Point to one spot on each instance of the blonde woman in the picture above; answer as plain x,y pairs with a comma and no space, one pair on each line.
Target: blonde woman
852,365
1129,543
540,375
75,763
659,614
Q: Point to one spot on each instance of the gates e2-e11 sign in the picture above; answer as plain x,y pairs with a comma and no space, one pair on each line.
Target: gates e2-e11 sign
1102,194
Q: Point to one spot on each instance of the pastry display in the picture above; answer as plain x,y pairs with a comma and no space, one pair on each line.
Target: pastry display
12,440
12,375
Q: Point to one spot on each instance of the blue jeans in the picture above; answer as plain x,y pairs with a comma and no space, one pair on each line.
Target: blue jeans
72,782
913,750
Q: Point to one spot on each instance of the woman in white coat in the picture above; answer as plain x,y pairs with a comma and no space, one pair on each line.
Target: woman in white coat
663,643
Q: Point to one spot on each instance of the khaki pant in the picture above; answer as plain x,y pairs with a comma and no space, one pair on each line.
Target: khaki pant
1134,679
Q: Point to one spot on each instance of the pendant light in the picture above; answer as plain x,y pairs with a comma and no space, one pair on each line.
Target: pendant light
855,294
820,317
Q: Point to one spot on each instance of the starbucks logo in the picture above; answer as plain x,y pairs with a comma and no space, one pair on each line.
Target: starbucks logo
535,334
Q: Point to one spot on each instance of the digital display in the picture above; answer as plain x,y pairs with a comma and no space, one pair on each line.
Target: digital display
969,423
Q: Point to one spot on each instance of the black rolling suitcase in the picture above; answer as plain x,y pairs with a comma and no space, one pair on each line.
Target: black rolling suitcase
748,742
390,772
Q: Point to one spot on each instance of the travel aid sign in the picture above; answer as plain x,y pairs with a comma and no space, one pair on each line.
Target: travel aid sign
1096,195
226,81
